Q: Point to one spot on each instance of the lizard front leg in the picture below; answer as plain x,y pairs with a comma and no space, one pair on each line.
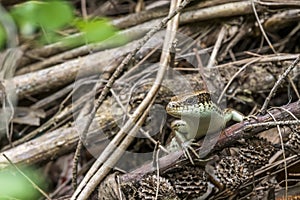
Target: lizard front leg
231,114
181,141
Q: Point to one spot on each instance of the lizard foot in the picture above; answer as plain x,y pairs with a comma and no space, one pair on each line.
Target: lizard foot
187,148
249,117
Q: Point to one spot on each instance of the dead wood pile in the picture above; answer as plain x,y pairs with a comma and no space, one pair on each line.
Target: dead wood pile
106,102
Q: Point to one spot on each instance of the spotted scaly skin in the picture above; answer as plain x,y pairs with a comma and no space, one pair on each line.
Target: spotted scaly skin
199,116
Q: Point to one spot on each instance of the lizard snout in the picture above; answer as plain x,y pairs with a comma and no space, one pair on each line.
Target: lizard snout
172,108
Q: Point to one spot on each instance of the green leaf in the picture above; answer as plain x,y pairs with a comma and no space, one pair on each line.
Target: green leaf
14,185
96,30
24,14
54,14
49,15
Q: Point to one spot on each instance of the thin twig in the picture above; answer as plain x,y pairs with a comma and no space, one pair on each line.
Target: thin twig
278,82
264,59
294,87
75,164
286,110
271,124
83,9
261,27
156,160
27,178
217,46
283,153
200,67
80,143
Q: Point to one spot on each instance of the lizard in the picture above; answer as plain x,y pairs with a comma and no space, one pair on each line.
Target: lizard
199,116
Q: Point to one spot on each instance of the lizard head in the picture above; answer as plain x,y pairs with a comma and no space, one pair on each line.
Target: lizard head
189,105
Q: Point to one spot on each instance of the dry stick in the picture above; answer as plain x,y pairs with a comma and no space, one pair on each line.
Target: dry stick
271,124
218,11
278,82
265,58
217,47
283,153
83,9
119,188
75,164
261,27
294,87
86,107
200,67
157,173
279,3
285,110
27,178
105,91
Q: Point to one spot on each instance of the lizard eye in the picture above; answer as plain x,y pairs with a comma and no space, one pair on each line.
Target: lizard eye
172,105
